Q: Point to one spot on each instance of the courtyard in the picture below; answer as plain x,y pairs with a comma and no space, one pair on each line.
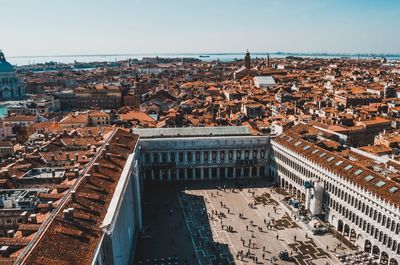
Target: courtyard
227,223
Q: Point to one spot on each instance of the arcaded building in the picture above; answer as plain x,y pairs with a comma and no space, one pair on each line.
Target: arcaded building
358,202
202,153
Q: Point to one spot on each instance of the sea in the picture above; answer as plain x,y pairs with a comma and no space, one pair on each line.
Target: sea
3,111
224,57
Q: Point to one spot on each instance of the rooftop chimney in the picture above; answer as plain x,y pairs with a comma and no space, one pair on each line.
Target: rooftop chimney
76,171
96,167
5,251
68,213
73,196
33,219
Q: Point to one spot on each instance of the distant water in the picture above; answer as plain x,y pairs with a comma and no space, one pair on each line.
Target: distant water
225,57
3,112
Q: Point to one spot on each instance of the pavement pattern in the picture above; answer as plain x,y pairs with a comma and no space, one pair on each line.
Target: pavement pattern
226,223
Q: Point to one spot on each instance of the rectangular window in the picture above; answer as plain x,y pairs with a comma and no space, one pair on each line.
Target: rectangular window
369,178
348,167
358,172
339,163
380,183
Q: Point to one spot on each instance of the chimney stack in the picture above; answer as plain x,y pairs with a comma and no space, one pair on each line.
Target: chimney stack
68,214
73,196
33,219
5,251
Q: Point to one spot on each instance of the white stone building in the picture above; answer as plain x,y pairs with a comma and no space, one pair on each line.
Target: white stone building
359,203
202,153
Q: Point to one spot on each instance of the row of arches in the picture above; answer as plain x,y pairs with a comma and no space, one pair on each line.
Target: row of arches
292,180
363,224
205,155
358,203
364,208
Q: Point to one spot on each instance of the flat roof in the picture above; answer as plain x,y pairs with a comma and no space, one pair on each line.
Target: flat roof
265,80
191,131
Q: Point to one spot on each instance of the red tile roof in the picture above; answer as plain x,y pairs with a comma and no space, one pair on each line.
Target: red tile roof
74,241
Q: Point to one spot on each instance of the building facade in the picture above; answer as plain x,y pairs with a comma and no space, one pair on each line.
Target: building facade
193,155
357,202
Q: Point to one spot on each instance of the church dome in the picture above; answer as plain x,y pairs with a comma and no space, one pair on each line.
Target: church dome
5,67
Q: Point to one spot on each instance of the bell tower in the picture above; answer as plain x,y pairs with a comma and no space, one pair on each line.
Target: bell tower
247,60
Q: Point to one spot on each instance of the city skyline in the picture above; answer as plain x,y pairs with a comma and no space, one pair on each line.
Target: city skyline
139,27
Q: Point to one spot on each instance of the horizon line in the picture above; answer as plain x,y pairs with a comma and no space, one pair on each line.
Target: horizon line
213,53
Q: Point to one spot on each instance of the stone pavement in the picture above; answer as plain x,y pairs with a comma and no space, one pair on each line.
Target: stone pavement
200,223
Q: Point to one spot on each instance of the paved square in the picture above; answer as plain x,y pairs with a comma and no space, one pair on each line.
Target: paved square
220,223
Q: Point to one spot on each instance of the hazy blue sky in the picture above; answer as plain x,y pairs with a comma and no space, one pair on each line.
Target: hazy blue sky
55,27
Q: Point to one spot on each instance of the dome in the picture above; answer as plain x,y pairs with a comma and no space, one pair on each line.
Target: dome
5,67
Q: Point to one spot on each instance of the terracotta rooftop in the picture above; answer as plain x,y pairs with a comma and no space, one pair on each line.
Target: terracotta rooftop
74,240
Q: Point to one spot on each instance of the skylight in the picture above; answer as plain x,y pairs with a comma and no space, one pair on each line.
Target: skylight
289,139
369,178
315,151
393,189
380,183
331,158
322,155
358,172
297,143
339,163
306,147
348,167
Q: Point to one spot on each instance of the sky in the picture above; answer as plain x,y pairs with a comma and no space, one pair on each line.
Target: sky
66,27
